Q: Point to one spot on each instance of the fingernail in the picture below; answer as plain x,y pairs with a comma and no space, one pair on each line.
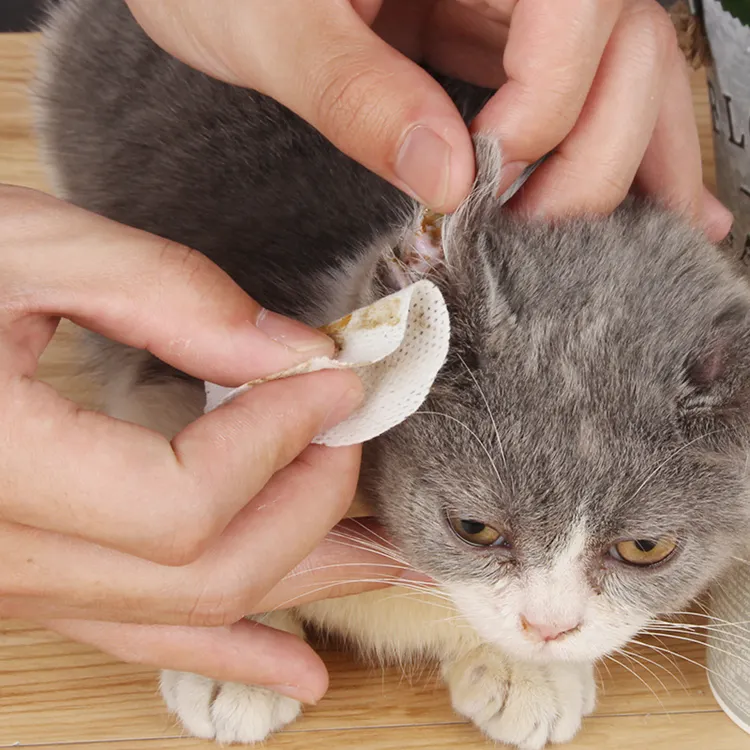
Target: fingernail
347,404
295,692
423,164
293,334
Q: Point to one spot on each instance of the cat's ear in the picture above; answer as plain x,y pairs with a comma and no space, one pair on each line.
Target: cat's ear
717,370
434,244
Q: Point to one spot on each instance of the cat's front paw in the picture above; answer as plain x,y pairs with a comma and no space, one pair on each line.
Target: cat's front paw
226,711
518,703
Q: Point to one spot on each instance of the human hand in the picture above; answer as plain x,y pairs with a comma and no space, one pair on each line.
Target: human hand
172,543
602,83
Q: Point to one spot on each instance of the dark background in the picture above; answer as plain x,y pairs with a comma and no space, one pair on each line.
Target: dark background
20,15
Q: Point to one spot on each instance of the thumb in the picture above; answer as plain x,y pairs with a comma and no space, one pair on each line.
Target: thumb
141,290
322,61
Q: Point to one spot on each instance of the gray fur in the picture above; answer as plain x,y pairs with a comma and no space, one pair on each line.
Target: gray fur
613,353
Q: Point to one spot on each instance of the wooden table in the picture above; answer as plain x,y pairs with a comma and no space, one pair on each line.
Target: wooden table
54,693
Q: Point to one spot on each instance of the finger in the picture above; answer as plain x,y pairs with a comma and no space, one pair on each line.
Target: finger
128,488
716,218
371,101
464,41
355,557
138,289
671,169
264,542
246,652
594,167
551,58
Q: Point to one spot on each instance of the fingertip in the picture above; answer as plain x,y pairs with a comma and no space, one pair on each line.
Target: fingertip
297,670
715,219
434,164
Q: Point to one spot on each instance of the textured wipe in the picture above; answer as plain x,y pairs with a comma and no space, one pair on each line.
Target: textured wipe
396,346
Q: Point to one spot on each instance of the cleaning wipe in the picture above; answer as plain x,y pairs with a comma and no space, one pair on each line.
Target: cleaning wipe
396,346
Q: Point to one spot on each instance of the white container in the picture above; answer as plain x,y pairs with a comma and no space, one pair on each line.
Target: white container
727,28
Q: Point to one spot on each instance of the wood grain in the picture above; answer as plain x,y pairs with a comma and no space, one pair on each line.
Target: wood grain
54,693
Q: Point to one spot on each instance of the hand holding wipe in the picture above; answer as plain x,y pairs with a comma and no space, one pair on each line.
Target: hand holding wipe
396,346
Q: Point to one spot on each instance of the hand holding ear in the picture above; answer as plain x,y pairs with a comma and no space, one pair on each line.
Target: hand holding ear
602,83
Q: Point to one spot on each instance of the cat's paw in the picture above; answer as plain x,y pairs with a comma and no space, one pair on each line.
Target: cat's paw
521,704
226,711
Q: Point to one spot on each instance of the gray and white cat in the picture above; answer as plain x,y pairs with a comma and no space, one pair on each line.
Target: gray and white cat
581,464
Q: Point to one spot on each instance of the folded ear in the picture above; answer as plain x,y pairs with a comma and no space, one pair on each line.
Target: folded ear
717,370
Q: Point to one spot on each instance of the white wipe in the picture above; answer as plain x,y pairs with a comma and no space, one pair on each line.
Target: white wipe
396,346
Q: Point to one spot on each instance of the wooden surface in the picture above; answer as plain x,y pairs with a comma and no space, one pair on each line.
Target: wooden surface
54,693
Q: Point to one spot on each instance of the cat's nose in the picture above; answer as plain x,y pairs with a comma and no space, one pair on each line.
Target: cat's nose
548,631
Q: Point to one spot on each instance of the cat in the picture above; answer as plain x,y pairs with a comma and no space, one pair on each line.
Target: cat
580,465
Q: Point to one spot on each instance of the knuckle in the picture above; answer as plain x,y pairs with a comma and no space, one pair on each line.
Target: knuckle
599,193
560,105
185,543
654,34
217,607
606,194
345,98
184,261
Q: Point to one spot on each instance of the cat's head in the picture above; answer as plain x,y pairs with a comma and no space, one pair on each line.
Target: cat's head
582,461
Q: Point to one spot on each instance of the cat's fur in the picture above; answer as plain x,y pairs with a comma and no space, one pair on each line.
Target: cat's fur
596,389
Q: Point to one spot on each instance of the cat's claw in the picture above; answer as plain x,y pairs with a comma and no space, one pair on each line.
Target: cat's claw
226,711
522,704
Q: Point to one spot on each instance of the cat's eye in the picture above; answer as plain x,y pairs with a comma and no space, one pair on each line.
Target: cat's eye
477,533
643,552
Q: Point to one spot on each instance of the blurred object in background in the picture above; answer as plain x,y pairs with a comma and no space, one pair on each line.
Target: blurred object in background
726,25
20,15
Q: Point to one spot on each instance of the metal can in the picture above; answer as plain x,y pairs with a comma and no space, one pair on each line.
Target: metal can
726,25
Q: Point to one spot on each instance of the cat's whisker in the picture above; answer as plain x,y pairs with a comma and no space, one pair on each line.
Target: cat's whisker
669,458
644,662
366,546
707,615
727,629
638,677
385,582
368,530
715,638
698,628
472,433
678,676
490,414
605,664
365,564
675,654
699,642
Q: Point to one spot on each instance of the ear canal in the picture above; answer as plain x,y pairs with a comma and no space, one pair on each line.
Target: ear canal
704,370
716,371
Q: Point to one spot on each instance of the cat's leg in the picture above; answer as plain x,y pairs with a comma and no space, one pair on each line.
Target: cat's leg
518,703
521,703
229,711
